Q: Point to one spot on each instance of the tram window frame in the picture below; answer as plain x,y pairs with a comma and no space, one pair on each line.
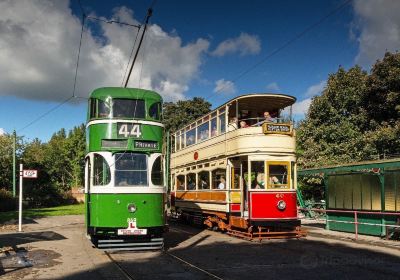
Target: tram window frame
215,181
190,181
101,167
214,124
235,178
159,170
258,180
180,187
221,121
204,175
157,106
138,104
270,184
92,108
118,157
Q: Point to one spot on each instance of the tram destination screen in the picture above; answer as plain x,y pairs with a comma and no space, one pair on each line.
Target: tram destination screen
276,128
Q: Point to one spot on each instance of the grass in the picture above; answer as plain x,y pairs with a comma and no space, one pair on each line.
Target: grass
74,209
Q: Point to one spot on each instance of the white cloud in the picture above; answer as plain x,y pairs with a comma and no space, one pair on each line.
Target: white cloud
378,28
38,50
224,86
245,44
2,131
273,87
301,107
315,89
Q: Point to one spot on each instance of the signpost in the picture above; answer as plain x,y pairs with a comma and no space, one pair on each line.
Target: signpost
23,174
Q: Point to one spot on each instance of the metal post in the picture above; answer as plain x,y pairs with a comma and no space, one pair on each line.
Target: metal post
20,198
355,225
14,167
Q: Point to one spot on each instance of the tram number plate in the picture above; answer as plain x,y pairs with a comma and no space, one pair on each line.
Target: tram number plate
129,130
133,231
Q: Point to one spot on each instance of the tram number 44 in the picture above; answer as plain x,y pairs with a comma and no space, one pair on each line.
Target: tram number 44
129,130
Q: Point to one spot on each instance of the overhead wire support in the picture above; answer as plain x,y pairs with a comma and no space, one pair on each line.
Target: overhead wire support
149,14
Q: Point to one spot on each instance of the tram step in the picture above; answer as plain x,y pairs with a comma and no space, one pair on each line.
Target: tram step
128,245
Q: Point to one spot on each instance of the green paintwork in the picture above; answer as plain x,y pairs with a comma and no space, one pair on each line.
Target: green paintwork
149,96
96,132
362,182
110,210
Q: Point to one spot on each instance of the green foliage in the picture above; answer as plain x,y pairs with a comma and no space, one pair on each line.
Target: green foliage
176,115
60,165
8,203
356,117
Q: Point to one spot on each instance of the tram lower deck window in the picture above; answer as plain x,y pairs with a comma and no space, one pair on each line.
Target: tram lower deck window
278,175
130,169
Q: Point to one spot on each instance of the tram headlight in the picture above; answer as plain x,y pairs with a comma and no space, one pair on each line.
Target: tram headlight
281,205
132,208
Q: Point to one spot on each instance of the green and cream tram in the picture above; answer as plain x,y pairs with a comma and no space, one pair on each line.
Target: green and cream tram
124,178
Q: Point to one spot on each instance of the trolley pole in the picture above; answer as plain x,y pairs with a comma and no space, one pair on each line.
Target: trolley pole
20,198
14,167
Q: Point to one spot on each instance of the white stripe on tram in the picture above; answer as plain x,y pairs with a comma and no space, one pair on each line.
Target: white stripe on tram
123,121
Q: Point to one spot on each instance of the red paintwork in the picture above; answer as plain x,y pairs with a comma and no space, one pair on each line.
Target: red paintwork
235,207
263,205
172,199
196,155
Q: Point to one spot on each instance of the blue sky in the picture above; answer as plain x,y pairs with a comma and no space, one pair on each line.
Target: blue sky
192,48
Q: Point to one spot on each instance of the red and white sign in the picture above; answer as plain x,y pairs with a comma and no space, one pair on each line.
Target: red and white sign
29,173
132,229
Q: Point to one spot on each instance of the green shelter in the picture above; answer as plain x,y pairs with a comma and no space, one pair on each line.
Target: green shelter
372,186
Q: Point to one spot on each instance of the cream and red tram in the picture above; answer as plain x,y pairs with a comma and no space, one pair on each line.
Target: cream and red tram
235,170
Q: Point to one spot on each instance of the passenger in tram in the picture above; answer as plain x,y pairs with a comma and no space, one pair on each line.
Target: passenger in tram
243,124
232,124
260,184
214,130
267,118
221,185
273,180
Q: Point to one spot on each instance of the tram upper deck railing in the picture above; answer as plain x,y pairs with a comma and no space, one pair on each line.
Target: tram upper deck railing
272,112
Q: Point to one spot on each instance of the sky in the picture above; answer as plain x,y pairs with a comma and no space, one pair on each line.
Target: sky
211,49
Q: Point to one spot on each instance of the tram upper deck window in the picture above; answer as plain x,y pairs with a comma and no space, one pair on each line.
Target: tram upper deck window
157,172
155,110
99,108
278,175
190,137
129,108
101,171
130,169
203,131
214,126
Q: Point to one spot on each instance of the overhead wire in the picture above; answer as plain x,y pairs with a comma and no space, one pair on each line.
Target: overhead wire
282,47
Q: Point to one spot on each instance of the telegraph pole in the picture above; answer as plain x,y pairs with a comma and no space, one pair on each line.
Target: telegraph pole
14,152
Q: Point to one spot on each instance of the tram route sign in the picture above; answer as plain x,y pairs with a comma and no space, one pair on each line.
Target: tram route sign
29,173
275,128
146,145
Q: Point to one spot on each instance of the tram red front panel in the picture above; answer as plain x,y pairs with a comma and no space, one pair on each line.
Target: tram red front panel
263,205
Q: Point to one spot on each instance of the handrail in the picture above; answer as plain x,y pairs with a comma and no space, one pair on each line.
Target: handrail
355,213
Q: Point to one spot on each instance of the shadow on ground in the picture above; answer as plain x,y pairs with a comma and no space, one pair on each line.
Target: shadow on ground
229,258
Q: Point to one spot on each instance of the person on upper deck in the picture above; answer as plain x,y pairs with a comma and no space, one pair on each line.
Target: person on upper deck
243,124
232,124
267,118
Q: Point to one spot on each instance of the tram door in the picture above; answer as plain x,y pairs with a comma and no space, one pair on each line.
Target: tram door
239,190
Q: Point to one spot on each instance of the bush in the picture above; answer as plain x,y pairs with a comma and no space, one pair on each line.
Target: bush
7,201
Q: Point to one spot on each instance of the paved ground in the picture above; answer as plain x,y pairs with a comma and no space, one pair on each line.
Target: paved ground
58,249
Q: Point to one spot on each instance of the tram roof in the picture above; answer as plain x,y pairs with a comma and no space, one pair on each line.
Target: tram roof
128,93
274,99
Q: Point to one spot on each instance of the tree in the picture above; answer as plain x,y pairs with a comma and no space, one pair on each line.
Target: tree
177,115
357,116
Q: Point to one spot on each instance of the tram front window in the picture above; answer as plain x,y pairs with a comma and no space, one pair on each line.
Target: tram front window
101,171
278,175
258,175
130,169
128,108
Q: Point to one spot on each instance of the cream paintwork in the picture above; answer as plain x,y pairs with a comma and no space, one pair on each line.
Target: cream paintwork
239,141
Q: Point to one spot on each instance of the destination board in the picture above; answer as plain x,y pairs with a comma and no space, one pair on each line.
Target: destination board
269,128
146,145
